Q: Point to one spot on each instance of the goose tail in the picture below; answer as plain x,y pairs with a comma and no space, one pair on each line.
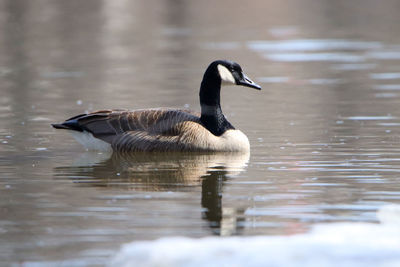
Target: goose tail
68,125
59,126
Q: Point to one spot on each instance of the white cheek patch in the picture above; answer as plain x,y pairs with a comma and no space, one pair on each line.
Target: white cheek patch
226,75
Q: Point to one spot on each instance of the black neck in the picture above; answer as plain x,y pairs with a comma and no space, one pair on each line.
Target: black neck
211,112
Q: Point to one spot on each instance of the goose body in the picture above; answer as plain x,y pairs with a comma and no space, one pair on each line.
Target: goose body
166,129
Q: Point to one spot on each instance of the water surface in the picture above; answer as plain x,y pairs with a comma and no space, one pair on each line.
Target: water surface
324,131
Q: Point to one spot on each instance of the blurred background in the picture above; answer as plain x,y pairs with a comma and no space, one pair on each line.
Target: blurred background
324,130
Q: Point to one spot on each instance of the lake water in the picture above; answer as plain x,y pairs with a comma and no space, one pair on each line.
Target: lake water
324,131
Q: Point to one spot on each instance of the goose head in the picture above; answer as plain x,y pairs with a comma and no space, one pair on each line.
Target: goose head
221,73
228,73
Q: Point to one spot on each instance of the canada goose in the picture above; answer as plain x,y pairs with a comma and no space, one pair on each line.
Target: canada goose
165,129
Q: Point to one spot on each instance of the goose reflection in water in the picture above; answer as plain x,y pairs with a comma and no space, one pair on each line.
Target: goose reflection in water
166,172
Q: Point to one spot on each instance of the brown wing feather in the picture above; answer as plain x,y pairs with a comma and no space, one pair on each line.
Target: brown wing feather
138,130
183,136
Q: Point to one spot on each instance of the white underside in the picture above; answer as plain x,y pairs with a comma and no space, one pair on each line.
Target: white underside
90,142
231,140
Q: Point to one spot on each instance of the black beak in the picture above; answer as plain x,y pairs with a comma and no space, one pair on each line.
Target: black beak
246,81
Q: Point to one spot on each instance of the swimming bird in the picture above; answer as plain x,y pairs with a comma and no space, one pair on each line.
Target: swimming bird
167,129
